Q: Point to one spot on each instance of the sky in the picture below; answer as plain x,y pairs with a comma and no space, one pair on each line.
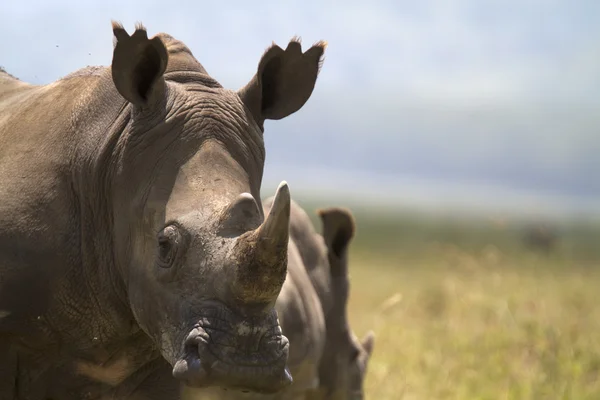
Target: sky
479,103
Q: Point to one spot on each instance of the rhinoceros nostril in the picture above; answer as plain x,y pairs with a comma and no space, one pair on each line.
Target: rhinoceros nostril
189,369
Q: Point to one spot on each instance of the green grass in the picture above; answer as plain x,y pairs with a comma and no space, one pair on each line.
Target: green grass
463,310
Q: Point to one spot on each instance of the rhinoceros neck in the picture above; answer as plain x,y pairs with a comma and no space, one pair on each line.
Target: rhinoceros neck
97,121
103,120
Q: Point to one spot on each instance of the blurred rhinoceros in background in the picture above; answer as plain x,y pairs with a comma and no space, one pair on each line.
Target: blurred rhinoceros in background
541,237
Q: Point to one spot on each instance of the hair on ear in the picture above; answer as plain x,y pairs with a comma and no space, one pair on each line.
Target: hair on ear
284,80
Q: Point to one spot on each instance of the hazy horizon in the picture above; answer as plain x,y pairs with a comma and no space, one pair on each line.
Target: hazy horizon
405,192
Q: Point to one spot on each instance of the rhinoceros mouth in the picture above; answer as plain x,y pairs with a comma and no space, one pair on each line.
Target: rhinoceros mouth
223,349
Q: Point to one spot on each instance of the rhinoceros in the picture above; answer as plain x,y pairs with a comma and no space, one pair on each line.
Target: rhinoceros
541,237
326,359
135,257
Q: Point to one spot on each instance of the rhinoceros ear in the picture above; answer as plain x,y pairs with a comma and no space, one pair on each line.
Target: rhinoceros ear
368,342
284,81
338,231
138,65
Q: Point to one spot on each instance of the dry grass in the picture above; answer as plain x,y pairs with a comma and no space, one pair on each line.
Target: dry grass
478,325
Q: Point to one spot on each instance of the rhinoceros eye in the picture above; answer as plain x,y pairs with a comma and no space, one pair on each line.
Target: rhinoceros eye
168,241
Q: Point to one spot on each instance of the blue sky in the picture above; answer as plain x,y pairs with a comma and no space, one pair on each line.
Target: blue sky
434,97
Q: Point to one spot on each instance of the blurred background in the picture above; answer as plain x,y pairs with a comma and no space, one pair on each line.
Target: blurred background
464,135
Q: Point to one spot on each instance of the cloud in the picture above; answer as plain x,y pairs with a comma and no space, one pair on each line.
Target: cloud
502,90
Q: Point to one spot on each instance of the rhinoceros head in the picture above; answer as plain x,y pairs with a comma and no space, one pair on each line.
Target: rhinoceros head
201,263
345,359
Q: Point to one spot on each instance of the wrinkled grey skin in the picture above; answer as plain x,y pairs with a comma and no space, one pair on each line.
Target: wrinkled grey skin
326,359
135,258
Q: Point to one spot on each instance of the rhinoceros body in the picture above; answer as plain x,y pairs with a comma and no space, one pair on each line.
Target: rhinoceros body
343,361
135,257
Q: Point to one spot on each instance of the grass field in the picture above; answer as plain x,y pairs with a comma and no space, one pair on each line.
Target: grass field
463,310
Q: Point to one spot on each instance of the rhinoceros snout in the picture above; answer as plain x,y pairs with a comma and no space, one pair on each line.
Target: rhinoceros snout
226,350
269,380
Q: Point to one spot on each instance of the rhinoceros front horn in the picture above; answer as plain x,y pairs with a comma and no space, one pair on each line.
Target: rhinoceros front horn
261,255
273,234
